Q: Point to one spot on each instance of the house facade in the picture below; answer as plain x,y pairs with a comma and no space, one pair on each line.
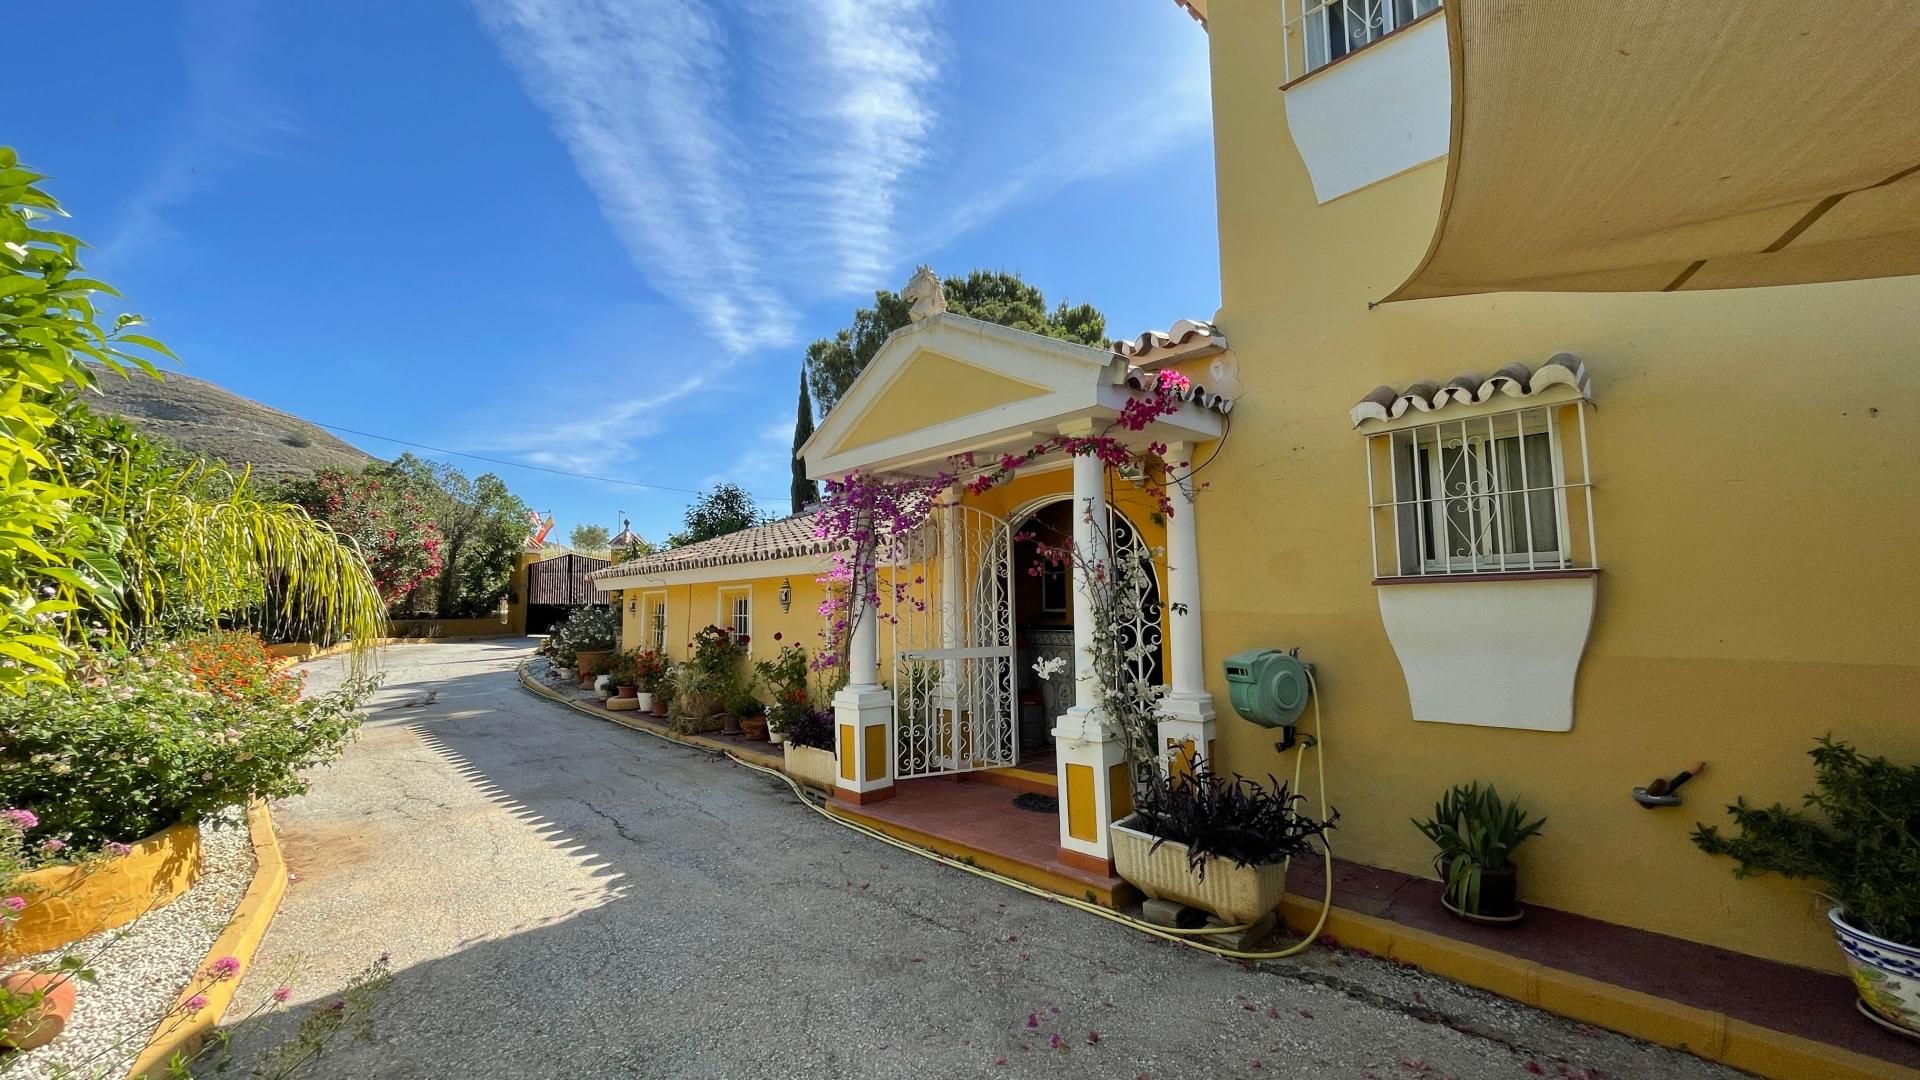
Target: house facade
1563,542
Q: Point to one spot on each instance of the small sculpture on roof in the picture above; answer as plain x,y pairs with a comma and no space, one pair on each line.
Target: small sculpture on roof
929,299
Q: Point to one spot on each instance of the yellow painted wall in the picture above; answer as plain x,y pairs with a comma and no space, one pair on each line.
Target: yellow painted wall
1755,457
692,607
933,388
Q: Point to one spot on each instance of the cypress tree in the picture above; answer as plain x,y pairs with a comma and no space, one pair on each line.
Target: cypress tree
805,492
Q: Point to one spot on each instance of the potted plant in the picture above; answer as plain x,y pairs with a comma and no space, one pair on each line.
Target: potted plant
786,677
1476,832
648,667
665,685
1865,848
1214,843
809,747
713,678
625,676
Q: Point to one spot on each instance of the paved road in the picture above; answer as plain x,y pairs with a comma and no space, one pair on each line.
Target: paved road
563,897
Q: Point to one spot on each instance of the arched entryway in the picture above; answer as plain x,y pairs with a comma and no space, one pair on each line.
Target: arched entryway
1043,613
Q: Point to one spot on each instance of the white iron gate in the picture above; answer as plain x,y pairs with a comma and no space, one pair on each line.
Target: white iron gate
953,645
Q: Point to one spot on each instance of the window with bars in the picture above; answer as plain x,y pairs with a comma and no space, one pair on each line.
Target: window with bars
737,607
657,622
1504,492
1330,29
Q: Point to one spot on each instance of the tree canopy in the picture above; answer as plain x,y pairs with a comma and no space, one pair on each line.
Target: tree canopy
482,526
995,296
725,508
804,492
589,538
395,531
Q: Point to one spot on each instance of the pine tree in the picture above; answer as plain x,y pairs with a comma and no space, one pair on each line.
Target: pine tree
805,491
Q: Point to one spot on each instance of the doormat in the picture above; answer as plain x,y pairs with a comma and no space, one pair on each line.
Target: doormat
1039,804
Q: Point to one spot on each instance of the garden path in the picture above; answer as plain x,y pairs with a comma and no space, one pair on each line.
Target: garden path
569,898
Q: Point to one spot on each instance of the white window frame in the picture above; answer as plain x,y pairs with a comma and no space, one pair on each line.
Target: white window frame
732,615
1415,496
654,606
1375,19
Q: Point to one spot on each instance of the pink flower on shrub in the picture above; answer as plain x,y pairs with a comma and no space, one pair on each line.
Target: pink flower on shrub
15,904
53,845
196,1003
20,819
115,847
225,968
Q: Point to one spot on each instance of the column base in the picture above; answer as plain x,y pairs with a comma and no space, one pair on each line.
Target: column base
1186,731
864,798
1095,785
862,748
1092,864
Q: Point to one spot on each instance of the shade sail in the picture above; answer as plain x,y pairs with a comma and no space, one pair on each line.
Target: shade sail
1648,145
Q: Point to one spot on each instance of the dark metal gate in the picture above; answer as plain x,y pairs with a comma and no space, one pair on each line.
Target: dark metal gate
556,586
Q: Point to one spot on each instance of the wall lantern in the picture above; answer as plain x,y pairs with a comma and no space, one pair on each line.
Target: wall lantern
633,605
786,594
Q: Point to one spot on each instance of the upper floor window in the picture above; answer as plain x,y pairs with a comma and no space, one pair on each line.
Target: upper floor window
1497,492
1326,30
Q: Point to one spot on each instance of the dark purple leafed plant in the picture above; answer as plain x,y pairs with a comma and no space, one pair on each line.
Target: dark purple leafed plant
1240,820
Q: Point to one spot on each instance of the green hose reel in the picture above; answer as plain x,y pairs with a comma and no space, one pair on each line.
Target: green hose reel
1269,687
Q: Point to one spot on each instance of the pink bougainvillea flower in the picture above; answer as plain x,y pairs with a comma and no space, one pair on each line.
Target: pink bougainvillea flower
283,994
1054,1040
20,819
196,1003
1033,1020
226,967
53,845
15,903
115,847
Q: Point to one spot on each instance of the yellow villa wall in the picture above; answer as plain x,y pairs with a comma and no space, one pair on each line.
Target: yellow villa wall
1754,453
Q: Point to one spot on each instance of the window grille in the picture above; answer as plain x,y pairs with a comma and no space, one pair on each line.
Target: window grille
1503,492
1319,32
657,615
742,614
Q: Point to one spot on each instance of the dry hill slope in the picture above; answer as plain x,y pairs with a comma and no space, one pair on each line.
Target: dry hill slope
200,417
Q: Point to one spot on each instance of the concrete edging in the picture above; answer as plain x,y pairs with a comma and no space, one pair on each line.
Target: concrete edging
182,1033
1714,1036
1711,1035
78,901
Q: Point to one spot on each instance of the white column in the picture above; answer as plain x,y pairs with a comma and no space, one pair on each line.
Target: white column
952,615
1092,773
1186,725
862,748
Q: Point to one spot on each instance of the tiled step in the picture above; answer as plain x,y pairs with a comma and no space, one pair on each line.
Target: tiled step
1020,778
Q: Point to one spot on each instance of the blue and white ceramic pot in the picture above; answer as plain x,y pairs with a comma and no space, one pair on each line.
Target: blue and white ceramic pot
1887,973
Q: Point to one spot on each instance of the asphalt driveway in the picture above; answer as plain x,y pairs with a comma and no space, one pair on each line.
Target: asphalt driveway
563,897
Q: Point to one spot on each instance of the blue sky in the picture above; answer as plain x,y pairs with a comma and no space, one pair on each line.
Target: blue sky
596,235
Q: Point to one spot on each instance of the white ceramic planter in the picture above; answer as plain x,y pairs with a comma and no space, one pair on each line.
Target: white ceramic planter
1886,973
811,766
603,685
646,701
1239,895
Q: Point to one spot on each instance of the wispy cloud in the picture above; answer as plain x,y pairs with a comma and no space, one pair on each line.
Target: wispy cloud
735,202
228,117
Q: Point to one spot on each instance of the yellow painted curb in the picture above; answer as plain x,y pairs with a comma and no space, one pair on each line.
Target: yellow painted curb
181,1032
1702,1032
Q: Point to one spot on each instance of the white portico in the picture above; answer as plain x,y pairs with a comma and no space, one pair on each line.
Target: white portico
937,669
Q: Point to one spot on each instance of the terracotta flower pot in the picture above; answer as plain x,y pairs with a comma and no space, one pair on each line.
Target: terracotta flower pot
754,728
48,1019
659,705
628,691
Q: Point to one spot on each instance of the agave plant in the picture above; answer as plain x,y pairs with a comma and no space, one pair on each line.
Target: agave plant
1476,831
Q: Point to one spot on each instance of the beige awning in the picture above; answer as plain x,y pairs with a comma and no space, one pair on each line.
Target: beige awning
1649,145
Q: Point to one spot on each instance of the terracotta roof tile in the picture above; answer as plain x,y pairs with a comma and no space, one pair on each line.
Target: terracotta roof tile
783,539
1513,380
1184,340
1139,379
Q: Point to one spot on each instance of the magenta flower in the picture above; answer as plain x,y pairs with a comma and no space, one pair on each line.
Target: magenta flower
20,819
283,995
115,847
196,1003
15,904
53,845
225,968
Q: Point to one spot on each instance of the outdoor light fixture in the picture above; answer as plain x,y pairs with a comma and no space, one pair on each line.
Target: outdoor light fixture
633,605
786,594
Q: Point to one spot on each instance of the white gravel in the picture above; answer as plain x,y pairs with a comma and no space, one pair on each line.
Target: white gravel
141,968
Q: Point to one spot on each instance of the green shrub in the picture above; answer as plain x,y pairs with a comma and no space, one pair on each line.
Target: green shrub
1866,850
138,744
1237,819
587,629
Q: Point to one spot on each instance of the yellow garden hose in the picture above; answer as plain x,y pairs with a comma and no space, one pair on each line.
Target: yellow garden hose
1165,933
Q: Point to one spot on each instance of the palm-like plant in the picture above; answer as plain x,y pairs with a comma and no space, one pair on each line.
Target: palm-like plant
1476,831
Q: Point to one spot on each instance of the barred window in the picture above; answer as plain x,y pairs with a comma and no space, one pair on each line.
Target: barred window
1500,492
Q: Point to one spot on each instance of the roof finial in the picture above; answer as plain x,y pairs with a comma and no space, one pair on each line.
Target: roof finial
929,299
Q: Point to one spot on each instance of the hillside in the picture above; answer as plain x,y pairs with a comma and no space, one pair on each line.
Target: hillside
200,417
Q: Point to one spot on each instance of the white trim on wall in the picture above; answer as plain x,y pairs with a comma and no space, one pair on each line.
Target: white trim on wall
1377,113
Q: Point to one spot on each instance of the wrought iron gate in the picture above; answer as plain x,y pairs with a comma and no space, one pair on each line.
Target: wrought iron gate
951,596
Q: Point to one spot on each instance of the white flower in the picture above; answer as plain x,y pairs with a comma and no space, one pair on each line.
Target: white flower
1048,666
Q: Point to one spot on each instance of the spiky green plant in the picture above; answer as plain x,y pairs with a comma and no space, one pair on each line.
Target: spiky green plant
1476,831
